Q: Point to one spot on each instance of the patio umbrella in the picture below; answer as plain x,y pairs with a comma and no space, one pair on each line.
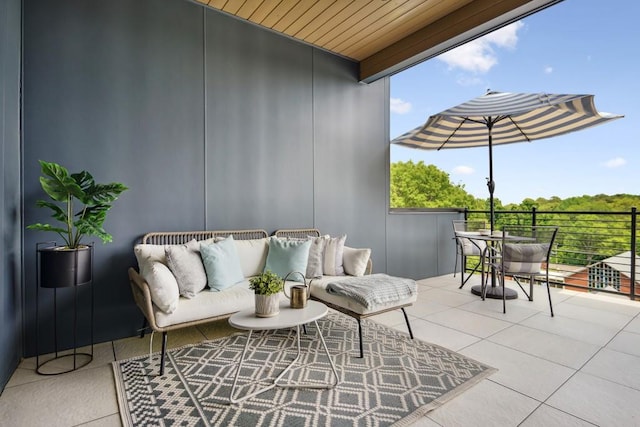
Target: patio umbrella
502,118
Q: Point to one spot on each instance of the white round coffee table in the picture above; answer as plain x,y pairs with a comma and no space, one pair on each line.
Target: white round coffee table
288,318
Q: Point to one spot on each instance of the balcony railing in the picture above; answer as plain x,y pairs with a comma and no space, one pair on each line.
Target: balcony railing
593,251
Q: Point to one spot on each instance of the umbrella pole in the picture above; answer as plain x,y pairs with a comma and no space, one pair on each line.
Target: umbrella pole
494,291
490,183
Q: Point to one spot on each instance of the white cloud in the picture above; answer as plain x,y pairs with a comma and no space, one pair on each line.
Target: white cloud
399,106
463,170
478,56
548,69
615,162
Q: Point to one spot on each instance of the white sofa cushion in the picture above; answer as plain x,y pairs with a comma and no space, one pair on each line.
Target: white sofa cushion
253,255
209,304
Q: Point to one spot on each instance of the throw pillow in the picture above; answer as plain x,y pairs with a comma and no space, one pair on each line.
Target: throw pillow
253,255
185,263
163,286
316,256
222,264
146,253
333,253
355,260
286,256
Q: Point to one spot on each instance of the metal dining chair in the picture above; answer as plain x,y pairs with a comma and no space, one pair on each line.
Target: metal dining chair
467,248
524,252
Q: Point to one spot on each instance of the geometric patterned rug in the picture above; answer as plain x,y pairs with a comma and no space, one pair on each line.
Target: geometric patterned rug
398,381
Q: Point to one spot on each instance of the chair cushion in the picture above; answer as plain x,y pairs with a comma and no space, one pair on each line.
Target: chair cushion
470,248
525,258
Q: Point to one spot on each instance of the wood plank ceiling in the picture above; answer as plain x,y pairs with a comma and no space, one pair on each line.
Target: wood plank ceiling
378,34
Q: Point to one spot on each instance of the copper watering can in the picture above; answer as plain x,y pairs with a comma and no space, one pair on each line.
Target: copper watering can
300,294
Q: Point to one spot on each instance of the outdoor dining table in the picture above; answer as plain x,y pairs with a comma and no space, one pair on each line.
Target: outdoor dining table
494,291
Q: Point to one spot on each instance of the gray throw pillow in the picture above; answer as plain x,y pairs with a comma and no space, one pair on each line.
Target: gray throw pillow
315,262
186,265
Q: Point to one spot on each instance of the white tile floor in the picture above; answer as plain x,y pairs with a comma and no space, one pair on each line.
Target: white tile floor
579,368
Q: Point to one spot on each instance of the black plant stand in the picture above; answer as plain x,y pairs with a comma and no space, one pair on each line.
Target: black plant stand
88,357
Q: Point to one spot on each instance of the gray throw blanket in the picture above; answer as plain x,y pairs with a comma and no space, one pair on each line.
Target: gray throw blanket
374,290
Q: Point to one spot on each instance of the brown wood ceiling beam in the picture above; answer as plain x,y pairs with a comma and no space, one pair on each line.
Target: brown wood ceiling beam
464,19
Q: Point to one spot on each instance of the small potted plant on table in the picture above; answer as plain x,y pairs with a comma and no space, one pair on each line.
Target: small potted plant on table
267,287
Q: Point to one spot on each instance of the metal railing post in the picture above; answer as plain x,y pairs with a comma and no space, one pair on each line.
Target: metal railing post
533,216
634,226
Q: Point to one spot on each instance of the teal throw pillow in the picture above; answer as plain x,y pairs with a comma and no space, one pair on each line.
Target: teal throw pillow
222,264
286,256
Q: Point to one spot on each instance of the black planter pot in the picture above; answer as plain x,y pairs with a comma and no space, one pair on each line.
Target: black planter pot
60,267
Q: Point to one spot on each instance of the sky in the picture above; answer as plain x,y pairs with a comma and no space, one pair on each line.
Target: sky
574,47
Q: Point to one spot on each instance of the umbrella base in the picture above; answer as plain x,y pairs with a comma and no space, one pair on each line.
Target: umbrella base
495,292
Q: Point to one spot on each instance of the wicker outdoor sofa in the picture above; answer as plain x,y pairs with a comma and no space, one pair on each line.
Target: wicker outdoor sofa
148,282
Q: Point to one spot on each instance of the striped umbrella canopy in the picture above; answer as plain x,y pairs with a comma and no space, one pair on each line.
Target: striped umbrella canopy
502,118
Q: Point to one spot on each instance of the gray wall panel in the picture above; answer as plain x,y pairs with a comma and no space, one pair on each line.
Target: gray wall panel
259,127
213,123
420,245
350,160
115,88
10,220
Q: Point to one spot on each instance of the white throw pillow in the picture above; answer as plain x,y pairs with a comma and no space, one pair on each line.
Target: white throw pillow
253,255
163,286
355,260
333,253
146,254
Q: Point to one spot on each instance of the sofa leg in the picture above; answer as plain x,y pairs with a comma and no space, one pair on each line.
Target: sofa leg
406,319
144,326
164,351
360,335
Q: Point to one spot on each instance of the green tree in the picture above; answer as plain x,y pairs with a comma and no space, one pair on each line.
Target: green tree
416,185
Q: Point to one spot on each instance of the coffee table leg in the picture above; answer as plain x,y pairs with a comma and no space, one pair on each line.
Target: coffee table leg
326,350
307,385
276,382
235,380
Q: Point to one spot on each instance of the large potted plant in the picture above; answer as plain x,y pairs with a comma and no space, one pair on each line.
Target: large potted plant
267,287
79,205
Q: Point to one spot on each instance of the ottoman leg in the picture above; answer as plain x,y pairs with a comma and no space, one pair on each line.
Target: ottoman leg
406,318
360,335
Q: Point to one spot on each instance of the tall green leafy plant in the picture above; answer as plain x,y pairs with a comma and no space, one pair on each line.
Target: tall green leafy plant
78,204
